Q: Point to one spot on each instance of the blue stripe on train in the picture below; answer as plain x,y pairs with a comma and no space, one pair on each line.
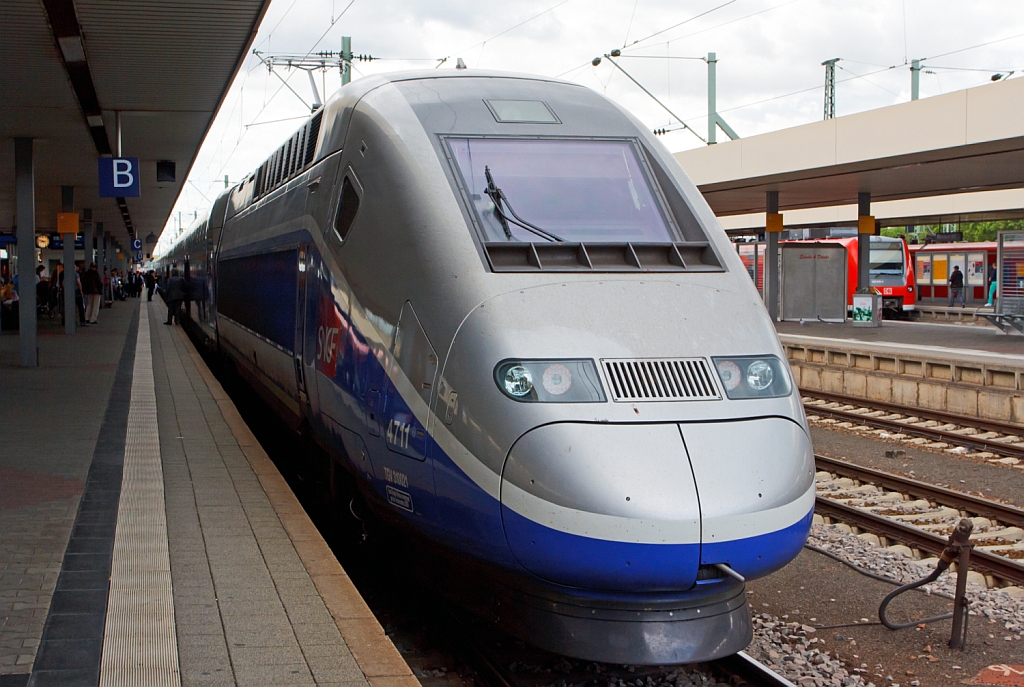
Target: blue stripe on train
578,561
758,556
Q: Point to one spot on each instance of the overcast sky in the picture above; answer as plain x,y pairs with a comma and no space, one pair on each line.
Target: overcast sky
769,59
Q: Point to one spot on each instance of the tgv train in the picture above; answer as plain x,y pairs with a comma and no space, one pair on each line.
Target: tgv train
501,305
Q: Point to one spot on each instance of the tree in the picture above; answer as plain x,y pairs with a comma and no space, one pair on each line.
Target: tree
972,231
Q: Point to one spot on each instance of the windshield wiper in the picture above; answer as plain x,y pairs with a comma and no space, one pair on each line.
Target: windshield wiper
497,196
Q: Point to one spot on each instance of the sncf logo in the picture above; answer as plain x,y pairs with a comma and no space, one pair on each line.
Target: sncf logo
328,337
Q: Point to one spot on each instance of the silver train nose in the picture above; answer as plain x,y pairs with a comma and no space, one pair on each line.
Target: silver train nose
640,507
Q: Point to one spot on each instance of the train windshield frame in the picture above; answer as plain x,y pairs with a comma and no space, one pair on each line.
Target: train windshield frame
559,189
887,257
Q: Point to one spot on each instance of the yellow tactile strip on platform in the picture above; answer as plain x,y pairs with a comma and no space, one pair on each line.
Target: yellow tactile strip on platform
373,651
139,643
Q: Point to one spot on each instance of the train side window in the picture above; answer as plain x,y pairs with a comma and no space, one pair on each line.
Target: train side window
347,208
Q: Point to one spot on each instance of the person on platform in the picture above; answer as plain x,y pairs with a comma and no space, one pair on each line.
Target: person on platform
956,286
80,298
150,284
993,284
174,294
57,290
107,291
92,287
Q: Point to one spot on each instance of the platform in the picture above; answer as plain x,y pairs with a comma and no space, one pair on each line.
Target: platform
947,336
969,371
146,538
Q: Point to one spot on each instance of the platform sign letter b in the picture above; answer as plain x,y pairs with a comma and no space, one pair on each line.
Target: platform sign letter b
123,177
119,177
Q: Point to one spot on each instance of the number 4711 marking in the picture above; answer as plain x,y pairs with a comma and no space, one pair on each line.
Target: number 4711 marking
398,434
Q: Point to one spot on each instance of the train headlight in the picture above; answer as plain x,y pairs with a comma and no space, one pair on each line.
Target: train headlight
561,381
762,376
557,379
759,375
730,374
517,381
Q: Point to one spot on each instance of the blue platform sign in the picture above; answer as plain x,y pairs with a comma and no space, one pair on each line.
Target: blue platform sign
119,177
136,244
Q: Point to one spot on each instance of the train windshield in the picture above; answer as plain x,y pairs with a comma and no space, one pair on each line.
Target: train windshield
559,190
886,256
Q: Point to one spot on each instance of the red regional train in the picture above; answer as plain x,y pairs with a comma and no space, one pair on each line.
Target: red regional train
891,273
933,263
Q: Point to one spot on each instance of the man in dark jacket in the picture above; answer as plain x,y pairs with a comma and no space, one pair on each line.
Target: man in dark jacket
92,287
956,286
174,294
150,285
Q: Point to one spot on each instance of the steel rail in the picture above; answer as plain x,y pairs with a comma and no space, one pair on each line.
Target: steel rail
975,505
982,561
947,436
741,669
936,415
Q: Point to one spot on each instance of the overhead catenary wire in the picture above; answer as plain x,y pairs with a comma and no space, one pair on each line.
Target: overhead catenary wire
784,95
653,97
664,57
869,80
972,47
442,60
276,121
636,46
718,26
685,21
629,27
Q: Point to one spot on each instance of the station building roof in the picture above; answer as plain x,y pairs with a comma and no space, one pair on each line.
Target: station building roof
962,142
976,206
70,65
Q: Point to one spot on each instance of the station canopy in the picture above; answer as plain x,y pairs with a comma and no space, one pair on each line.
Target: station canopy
70,66
963,142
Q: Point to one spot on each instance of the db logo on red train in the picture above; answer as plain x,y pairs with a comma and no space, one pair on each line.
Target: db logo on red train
328,337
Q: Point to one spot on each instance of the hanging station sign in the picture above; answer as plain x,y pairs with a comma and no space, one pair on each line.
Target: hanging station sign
119,177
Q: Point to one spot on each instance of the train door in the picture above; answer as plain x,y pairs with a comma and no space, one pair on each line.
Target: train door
406,466
959,260
976,279
301,315
320,313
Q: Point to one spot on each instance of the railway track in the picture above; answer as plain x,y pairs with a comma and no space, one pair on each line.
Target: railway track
921,515
998,438
738,670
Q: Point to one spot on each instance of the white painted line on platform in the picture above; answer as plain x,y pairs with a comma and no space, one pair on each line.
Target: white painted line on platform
139,643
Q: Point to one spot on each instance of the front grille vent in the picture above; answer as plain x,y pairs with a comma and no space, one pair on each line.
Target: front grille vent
660,379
